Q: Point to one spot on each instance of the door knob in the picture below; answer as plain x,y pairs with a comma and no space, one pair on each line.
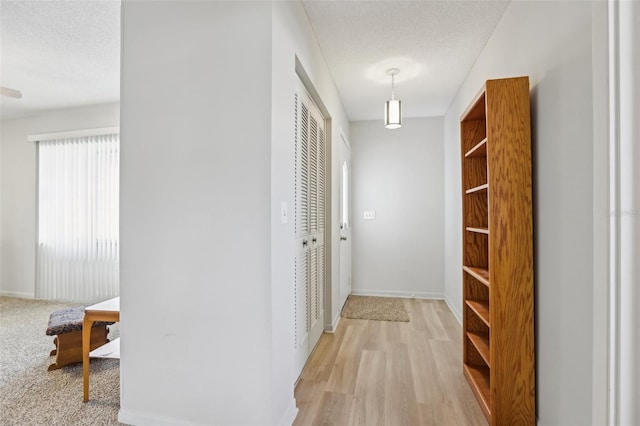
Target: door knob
314,239
343,238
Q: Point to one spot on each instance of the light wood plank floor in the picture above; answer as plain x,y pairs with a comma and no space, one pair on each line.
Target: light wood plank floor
389,373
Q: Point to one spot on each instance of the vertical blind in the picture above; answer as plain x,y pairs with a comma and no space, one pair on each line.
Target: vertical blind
78,218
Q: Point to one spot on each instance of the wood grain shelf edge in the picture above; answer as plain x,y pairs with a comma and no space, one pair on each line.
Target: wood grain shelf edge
478,378
481,343
479,274
476,109
480,150
478,230
478,188
481,309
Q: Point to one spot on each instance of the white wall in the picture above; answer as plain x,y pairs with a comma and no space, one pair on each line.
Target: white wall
293,37
18,187
206,265
550,42
400,175
195,202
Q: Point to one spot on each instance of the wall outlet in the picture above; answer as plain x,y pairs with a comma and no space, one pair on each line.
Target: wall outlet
370,215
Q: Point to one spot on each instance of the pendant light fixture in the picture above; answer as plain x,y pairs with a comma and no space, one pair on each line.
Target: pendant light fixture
393,107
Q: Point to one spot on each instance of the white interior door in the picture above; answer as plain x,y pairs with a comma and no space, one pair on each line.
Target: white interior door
345,220
310,180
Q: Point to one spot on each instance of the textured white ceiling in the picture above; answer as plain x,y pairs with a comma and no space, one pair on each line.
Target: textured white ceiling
59,54
433,43
66,53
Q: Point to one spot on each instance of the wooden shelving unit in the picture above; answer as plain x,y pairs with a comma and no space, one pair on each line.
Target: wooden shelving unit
497,264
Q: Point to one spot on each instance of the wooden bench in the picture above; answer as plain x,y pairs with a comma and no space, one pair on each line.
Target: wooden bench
66,326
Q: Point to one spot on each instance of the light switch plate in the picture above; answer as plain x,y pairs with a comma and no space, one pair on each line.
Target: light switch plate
370,215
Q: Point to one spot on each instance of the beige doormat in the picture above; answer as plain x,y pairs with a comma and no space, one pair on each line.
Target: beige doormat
375,308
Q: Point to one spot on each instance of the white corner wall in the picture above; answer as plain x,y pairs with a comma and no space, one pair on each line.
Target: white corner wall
195,213
206,264
18,187
293,38
399,174
551,42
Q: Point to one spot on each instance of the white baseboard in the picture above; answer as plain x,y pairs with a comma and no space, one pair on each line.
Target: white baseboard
453,310
334,324
17,294
336,321
129,417
403,294
139,419
290,415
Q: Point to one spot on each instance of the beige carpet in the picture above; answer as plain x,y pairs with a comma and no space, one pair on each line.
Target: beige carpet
31,395
375,308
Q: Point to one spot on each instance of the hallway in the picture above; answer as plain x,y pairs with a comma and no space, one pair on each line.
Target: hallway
389,373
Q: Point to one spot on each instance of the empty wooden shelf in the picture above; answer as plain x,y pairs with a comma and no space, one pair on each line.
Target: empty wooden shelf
497,264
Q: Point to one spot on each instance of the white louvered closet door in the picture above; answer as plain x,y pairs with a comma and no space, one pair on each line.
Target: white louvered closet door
310,178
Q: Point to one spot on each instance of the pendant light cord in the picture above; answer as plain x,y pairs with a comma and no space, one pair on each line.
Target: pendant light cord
393,84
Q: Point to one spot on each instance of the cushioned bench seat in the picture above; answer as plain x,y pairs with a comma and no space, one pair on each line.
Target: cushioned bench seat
66,325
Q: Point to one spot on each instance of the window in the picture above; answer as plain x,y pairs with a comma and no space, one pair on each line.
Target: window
78,218
345,196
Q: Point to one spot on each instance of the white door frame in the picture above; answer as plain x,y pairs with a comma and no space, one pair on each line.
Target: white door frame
332,237
344,142
624,173
616,285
